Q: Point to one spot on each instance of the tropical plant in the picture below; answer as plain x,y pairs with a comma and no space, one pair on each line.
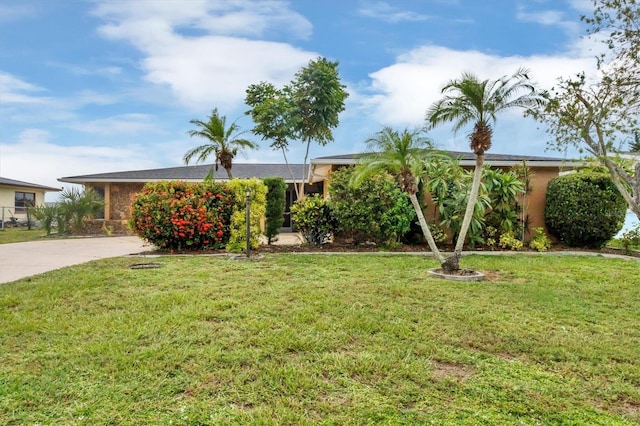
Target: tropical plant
46,214
374,210
525,175
403,155
274,216
76,206
314,218
503,189
471,100
222,141
584,209
183,215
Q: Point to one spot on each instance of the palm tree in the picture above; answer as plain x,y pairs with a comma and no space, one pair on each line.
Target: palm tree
403,155
224,142
470,99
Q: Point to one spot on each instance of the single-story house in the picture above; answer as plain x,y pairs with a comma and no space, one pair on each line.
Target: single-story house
119,188
16,196
543,170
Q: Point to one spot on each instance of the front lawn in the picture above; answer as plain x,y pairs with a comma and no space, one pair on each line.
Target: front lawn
20,235
317,339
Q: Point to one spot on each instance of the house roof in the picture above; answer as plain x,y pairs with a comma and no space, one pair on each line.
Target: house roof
321,166
194,173
21,184
465,158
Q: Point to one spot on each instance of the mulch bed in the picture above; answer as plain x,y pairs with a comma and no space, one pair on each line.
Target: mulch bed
401,248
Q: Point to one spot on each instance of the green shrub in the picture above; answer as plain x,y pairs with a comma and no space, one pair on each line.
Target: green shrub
631,238
375,210
584,209
508,241
76,207
238,238
46,214
540,241
183,215
313,217
274,216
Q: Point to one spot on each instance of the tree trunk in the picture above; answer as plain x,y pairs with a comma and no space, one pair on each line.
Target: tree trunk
425,228
229,173
293,176
471,204
633,198
304,169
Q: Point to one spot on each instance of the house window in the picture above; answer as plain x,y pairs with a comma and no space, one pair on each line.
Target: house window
24,200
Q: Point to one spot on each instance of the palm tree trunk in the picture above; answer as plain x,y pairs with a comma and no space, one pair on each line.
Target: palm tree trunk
229,173
452,263
425,229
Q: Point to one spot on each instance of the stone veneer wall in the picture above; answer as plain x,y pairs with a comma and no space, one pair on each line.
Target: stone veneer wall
121,197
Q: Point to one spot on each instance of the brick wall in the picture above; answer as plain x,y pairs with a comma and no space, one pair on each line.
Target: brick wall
121,197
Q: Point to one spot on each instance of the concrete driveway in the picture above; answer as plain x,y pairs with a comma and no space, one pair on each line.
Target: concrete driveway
21,260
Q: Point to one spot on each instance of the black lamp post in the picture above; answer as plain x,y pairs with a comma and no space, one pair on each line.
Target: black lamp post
248,220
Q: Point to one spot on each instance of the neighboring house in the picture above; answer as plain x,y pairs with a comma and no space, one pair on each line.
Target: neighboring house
16,196
543,170
119,188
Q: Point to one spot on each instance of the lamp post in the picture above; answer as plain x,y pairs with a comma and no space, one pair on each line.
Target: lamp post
248,220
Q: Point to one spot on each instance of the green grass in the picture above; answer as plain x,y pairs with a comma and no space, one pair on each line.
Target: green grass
314,339
19,235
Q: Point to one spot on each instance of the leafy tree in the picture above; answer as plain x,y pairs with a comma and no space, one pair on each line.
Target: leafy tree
77,206
599,114
307,109
272,112
403,155
593,117
274,216
471,100
225,142
318,99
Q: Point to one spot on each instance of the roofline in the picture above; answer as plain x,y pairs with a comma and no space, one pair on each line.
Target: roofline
497,163
80,180
41,187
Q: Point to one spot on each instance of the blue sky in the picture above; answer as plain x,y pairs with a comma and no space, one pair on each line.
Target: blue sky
101,86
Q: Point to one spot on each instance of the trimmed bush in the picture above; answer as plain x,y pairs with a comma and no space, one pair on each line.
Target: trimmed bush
584,209
274,216
183,215
238,239
314,219
376,210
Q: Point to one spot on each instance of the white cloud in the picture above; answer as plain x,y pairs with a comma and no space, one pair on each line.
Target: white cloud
404,90
548,17
14,90
385,12
34,158
209,63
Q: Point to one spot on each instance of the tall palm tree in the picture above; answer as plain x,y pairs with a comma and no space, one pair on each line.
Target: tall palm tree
224,142
468,100
403,155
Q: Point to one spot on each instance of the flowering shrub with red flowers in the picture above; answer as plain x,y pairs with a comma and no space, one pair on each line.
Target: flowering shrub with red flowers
183,215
